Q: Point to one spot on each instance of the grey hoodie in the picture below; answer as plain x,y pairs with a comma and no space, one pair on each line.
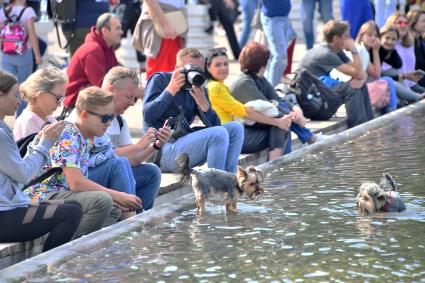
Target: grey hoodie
15,171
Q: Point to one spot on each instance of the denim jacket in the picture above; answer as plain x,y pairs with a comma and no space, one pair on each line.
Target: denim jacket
159,104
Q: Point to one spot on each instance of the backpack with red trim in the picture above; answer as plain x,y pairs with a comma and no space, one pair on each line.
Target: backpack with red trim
13,36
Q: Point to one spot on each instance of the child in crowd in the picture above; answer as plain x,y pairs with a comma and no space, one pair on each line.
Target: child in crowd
95,110
22,221
44,91
368,41
268,132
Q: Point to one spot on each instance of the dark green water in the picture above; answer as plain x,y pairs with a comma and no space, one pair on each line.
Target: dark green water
304,229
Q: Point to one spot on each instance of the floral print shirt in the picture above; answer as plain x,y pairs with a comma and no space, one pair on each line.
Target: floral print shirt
71,151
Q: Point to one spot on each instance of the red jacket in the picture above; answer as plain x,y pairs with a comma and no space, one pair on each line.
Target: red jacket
88,66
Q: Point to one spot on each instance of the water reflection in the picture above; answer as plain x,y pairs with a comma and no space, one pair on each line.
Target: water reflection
305,227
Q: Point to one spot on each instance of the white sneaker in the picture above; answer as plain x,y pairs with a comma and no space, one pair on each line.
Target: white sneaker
321,137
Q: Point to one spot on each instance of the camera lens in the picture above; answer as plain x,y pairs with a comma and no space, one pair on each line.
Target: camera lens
196,78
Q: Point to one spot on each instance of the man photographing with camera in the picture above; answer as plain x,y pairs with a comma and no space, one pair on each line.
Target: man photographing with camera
180,94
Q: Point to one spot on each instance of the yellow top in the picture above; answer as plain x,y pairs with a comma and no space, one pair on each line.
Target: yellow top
223,103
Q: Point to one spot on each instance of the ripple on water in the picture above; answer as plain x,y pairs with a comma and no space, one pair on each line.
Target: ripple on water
317,273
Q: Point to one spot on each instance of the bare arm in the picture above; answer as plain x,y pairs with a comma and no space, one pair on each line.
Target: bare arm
156,13
34,41
79,183
283,123
354,68
143,149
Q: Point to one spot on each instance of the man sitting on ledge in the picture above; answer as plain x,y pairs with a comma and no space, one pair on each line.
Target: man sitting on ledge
166,96
323,58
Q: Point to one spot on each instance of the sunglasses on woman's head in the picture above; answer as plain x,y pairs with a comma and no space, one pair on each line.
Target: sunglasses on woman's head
105,118
214,52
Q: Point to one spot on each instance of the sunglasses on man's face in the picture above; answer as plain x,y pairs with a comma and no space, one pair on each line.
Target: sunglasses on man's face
105,118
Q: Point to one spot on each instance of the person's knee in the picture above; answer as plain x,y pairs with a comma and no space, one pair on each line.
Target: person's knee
234,129
219,135
99,201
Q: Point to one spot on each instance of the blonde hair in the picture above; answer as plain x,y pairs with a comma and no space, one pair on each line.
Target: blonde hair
117,74
367,27
187,52
406,40
41,81
92,97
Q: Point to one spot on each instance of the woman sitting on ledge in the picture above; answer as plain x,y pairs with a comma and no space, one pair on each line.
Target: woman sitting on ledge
251,85
267,132
20,220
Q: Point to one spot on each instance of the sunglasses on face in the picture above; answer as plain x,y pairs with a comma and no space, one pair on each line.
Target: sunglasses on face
105,118
402,23
59,98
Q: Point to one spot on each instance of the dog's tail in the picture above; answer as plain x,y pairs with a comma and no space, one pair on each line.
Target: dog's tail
183,169
387,182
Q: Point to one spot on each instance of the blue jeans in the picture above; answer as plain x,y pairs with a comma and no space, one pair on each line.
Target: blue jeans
114,173
148,181
248,9
304,134
143,180
307,16
276,32
384,9
19,66
219,146
392,104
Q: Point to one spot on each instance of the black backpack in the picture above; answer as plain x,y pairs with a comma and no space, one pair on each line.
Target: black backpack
22,146
318,101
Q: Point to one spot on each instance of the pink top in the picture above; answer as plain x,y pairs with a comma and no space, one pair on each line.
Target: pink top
28,123
407,55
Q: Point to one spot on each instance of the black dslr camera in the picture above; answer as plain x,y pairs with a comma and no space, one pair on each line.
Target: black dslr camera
194,76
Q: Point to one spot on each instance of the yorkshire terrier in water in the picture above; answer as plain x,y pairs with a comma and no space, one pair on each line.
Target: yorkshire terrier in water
382,197
209,182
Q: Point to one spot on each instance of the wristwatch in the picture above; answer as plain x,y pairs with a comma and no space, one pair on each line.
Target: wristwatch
354,51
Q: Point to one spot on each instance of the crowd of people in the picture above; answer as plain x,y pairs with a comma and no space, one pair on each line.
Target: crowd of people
96,175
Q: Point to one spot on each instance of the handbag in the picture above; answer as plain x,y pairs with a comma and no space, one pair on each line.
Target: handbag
379,93
179,125
176,19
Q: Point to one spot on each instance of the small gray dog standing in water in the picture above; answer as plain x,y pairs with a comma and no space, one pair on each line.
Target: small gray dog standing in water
382,197
206,182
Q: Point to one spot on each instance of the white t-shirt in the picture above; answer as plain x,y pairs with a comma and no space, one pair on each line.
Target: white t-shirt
119,137
175,3
16,10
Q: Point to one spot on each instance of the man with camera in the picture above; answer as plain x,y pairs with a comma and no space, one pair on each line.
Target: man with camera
181,95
